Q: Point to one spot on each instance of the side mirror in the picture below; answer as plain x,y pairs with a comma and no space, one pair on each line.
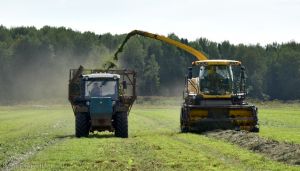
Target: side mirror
124,84
190,72
242,72
243,79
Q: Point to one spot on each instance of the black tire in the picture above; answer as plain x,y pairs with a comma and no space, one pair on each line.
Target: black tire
121,125
82,125
183,127
255,129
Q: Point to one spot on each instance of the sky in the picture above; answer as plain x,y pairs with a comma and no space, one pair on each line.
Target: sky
238,21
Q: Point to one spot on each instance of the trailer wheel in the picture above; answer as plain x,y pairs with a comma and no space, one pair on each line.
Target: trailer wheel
82,125
183,119
255,129
121,125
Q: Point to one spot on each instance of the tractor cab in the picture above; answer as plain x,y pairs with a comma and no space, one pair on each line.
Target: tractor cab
100,85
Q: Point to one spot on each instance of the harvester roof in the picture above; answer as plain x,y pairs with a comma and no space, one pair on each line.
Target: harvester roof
216,62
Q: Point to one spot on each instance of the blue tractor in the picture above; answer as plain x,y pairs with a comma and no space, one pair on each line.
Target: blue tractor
101,100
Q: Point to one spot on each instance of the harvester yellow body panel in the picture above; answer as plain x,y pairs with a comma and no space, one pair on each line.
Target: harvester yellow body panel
202,118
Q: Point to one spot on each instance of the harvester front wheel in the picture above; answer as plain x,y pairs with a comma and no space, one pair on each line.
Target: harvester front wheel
121,125
183,122
82,125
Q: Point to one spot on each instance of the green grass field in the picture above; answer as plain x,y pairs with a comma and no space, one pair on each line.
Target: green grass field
42,138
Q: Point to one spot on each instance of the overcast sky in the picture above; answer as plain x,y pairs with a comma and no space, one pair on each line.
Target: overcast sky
239,21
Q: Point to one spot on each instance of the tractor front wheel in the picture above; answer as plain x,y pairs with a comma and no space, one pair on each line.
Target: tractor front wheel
82,125
121,125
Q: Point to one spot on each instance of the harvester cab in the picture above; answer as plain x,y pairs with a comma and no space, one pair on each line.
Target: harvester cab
217,79
101,100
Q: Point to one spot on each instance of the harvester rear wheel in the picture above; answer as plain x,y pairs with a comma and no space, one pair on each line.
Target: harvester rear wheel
121,125
82,125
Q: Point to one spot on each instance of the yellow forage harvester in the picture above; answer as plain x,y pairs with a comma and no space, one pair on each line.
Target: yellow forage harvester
214,93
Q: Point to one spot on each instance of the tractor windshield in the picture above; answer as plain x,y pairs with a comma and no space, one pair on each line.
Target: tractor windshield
101,88
216,79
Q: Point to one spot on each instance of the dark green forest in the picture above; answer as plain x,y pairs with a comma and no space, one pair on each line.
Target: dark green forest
35,63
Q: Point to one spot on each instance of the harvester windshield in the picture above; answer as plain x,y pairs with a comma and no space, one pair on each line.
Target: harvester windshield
216,79
103,88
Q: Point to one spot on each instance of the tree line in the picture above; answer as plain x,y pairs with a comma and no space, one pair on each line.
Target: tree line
34,63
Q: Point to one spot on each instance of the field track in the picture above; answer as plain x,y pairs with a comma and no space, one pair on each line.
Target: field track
42,137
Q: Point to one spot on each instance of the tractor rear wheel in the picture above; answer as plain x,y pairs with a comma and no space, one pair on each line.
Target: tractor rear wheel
121,125
82,125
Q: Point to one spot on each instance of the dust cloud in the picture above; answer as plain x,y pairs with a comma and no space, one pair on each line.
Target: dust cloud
44,80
